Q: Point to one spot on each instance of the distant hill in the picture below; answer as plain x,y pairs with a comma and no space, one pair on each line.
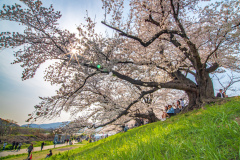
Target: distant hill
8,122
45,126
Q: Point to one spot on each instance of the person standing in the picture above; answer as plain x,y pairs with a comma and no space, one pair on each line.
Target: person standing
220,94
4,145
54,143
13,144
19,146
30,149
16,145
42,144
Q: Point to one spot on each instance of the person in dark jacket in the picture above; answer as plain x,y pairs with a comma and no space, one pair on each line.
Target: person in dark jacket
13,144
30,149
42,144
220,94
16,145
19,146
49,155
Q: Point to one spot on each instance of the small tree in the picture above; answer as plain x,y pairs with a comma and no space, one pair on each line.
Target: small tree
8,127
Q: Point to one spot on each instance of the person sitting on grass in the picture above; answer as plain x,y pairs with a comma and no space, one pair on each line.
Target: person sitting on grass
166,108
50,154
126,128
178,107
220,94
170,110
164,116
182,103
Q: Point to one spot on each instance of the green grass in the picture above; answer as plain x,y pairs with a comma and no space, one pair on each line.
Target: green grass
210,133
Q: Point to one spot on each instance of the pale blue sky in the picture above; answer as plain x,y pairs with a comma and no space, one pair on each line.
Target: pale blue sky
17,97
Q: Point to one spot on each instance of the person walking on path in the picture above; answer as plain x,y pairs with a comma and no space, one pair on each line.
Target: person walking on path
19,146
6,153
29,157
54,143
4,145
16,145
42,144
13,144
30,149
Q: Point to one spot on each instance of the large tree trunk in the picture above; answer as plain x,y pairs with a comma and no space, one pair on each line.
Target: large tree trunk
205,92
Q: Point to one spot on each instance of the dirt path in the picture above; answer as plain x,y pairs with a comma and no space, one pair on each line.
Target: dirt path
6,153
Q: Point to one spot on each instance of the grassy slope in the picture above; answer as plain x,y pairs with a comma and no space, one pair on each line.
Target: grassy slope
210,133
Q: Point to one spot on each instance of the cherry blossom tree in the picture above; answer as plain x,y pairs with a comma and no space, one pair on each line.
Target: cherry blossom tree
156,45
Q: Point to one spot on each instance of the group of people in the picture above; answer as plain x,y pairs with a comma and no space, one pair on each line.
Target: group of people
171,110
15,146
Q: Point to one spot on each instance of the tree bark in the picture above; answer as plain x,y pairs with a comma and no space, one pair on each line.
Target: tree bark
150,116
204,92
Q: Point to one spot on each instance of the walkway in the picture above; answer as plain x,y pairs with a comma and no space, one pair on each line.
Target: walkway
6,153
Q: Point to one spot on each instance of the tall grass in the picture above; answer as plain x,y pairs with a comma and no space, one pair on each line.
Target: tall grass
210,133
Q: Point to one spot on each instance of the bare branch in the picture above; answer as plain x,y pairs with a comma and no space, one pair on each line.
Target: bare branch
145,44
125,112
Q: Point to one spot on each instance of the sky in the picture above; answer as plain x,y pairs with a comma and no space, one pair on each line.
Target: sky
17,97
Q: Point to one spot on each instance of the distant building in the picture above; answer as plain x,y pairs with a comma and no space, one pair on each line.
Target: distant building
60,138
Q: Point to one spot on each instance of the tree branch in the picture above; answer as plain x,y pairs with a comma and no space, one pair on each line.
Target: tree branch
72,93
145,44
212,68
125,112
